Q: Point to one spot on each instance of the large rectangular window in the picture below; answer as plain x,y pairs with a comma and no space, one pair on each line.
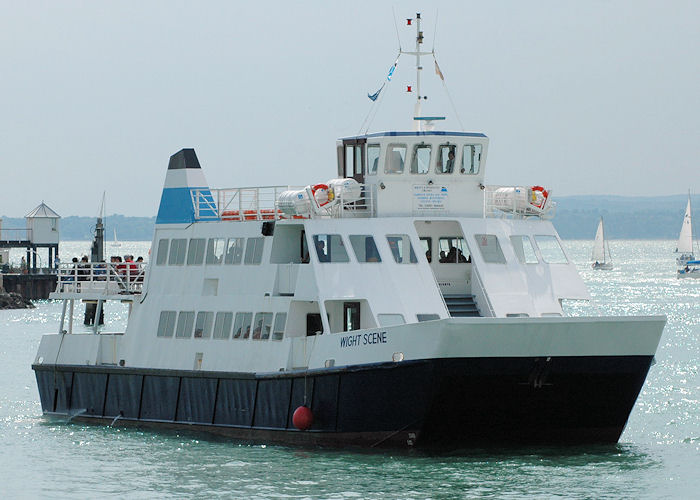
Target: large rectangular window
166,325
446,159
278,329
523,249
395,158
365,248
162,255
241,328
215,251
262,326
253,251
185,323
202,328
178,249
490,248
195,253
234,250
222,325
330,248
401,248
551,250
420,164
373,158
426,243
453,250
471,159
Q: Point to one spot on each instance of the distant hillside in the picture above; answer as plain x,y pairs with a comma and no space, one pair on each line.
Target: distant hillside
576,218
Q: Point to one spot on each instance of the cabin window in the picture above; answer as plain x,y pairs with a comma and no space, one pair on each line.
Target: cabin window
390,319
373,158
263,324
234,250
178,248
551,250
395,157
278,329
365,248
446,159
420,164
453,250
166,325
351,316
215,251
523,249
401,248
427,317
241,328
253,251
195,254
471,159
185,322
490,248
202,328
426,243
222,325
162,255
330,248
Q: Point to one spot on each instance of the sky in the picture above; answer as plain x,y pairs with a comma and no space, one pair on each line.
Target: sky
596,97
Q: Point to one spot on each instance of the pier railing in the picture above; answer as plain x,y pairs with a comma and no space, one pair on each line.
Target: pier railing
15,235
101,278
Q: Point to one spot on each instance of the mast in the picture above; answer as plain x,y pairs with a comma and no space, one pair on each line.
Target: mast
418,120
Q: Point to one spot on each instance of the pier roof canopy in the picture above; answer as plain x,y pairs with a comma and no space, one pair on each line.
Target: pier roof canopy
42,210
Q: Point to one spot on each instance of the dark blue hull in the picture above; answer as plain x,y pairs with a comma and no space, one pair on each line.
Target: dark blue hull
439,403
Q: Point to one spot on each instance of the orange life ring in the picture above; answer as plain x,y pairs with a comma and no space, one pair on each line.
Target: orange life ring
316,188
545,195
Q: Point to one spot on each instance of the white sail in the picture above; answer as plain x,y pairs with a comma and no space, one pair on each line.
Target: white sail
599,245
685,240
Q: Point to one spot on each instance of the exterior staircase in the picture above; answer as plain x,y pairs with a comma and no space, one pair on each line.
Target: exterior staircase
461,306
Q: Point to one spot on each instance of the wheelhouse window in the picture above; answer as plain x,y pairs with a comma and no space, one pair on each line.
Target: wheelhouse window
373,158
222,325
253,251
446,159
551,250
185,322
490,248
202,328
195,253
241,328
166,325
278,329
420,163
263,324
330,248
178,248
365,248
215,251
524,250
471,159
234,250
401,248
453,250
162,255
395,158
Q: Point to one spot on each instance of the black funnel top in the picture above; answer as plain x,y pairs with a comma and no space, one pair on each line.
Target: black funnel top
185,158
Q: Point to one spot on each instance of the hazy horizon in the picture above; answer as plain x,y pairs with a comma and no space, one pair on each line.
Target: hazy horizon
594,98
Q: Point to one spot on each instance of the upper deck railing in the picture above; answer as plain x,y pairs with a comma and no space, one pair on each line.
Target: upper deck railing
261,203
100,278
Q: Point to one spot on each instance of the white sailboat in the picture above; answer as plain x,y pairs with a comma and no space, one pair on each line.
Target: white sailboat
601,252
688,265
115,243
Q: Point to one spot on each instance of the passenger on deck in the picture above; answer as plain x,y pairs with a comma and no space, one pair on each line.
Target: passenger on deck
83,269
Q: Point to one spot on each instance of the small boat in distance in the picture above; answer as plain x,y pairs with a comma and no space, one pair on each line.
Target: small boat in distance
115,243
685,238
601,251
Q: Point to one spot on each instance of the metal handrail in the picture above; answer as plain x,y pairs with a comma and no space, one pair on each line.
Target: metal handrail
106,277
23,234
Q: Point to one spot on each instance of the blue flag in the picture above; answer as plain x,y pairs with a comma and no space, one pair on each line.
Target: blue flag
374,96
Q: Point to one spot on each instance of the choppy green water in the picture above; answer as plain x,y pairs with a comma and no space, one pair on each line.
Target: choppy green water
657,457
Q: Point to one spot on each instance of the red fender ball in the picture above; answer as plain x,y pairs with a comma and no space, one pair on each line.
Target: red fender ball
303,418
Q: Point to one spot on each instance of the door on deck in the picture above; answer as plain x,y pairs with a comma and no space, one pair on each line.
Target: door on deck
351,316
353,159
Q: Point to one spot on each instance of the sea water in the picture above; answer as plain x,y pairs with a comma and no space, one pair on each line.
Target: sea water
658,455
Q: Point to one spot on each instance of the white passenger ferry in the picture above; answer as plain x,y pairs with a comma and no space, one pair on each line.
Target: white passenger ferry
403,303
